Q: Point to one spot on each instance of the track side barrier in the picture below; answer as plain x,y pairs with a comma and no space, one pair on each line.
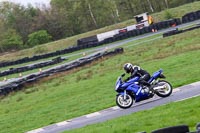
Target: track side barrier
9,86
94,41
176,31
31,67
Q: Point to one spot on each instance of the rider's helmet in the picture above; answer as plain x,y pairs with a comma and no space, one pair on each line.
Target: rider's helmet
128,67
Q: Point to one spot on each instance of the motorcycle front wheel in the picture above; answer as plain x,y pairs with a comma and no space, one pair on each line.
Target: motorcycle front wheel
124,102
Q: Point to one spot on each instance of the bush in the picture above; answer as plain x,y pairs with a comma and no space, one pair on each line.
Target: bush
38,37
168,15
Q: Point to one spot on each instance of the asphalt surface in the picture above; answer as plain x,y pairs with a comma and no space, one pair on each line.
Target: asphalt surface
109,46
179,94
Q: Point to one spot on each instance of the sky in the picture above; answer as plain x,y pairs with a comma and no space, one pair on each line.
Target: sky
32,2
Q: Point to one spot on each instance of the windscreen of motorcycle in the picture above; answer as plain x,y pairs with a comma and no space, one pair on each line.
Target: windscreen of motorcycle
118,82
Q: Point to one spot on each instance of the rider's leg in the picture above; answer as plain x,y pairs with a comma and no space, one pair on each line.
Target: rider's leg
144,80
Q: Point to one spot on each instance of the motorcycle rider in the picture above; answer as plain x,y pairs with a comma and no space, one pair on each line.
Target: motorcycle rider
135,70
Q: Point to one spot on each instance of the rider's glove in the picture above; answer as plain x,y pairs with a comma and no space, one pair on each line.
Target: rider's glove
126,79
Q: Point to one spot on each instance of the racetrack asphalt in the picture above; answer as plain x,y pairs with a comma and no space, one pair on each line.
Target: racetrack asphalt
179,94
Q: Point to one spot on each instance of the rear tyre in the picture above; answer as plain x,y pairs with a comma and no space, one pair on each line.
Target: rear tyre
165,91
124,103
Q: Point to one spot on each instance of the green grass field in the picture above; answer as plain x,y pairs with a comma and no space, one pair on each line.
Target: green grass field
91,88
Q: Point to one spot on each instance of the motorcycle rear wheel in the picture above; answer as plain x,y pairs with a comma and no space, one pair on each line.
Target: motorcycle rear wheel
166,91
124,103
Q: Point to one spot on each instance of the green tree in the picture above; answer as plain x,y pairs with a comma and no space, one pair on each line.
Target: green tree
18,17
38,37
11,40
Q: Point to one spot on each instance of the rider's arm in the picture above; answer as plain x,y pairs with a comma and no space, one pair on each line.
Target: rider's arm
135,70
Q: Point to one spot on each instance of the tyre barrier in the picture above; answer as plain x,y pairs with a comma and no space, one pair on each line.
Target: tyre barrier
191,16
43,56
16,84
198,14
173,129
31,67
171,32
176,129
85,41
176,31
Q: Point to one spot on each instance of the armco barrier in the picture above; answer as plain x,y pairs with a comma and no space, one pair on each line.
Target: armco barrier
14,85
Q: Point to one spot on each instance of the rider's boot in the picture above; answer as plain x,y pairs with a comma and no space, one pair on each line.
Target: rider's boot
151,91
145,86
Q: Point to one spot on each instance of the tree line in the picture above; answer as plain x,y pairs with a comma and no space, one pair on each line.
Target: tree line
23,27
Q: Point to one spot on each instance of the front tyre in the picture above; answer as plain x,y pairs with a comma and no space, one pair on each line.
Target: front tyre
124,103
164,88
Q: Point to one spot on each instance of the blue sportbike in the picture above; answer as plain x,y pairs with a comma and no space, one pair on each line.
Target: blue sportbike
130,91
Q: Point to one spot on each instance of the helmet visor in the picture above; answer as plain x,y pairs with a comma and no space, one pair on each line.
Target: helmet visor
127,70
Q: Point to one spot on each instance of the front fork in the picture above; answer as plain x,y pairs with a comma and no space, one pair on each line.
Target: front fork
124,94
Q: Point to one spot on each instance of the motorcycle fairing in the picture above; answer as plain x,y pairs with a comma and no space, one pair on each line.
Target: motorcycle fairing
137,90
155,75
130,82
